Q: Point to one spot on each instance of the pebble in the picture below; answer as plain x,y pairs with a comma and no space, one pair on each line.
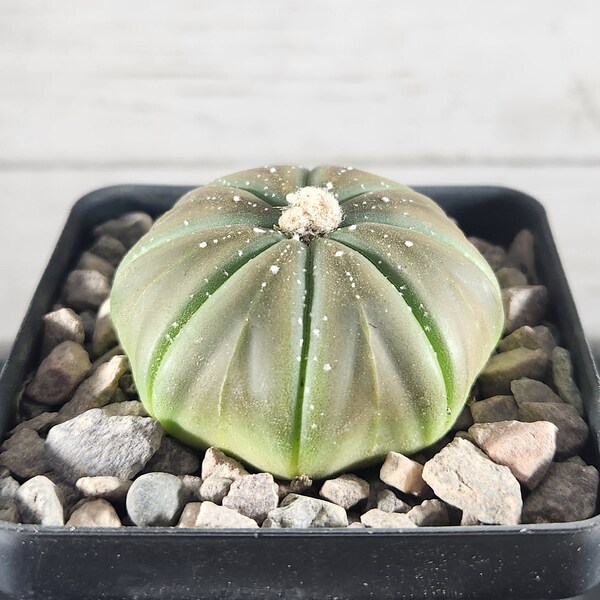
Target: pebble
96,391
107,487
568,493
521,253
40,423
86,289
95,444
524,305
530,390
253,496
94,513
430,513
215,488
217,463
298,485
510,277
189,515
534,338
110,249
378,519
404,474
59,374
128,229
24,454
10,515
127,384
305,512
527,449
93,262
8,489
464,420
212,516
192,485
104,337
345,490
572,429
128,408
88,318
494,255
387,501
562,375
496,408
39,502
62,325
463,476
173,457
156,499
507,366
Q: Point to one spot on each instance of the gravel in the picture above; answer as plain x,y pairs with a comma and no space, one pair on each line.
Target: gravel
217,463
156,499
86,289
496,408
213,516
107,487
215,488
94,513
62,325
173,457
524,305
530,390
562,375
404,474
40,502
345,491
300,511
253,496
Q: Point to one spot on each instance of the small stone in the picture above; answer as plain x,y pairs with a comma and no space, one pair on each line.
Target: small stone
546,338
107,487
93,262
562,374
127,384
430,513
568,493
379,519
95,444
527,449
173,457
129,408
356,525
464,420
572,429
59,374
88,318
521,253
86,289
345,490
253,496
94,513
104,337
216,463
24,454
463,476
404,474
68,493
507,366
468,520
110,249
192,485
494,255
296,511
39,502
128,229
524,305
212,516
10,515
530,390
298,485
534,338
96,391
8,489
155,499
118,397
215,488
41,423
189,515
576,460
63,325
510,277
496,408
387,501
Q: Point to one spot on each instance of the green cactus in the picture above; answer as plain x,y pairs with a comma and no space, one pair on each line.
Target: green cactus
306,321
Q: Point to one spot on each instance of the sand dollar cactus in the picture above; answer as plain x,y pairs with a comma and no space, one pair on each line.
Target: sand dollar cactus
306,321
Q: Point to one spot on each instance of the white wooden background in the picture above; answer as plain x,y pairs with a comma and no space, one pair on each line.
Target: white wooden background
183,91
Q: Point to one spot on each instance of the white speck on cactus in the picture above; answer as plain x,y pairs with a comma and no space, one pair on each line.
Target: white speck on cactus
202,245
274,269
408,243
339,253
385,199
352,228
327,367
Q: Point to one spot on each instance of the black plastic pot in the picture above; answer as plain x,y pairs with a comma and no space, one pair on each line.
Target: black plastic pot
533,561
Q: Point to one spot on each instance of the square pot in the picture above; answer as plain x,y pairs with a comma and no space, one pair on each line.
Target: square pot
491,562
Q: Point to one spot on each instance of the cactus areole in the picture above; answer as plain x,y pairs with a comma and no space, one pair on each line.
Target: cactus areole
306,321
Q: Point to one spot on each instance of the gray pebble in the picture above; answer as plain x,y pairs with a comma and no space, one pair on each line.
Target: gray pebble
110,249
521,253
189,515
534,338
128,408
96,391
510,277
59,374
296,511
40,423
404,474
379,519
107,487
546,338
127,384
24,455
387,501
86,289
10,514
93,262
507,366
216,463
8,489
345,490
128,229
572,429
530,390
527,449
104,337
494,255
568,493
253,496
212,516
70,494
95,444
463,476
156,499
215,488
496,408
430,513
562,374
39,502
298,485
192,485
173,457
94,513
62,325
524,305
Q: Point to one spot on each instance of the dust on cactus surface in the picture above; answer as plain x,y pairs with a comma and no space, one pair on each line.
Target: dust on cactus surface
306,321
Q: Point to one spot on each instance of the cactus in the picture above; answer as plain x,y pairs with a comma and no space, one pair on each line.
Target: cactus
305,321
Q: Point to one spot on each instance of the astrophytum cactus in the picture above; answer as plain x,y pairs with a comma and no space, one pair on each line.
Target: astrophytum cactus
306,321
